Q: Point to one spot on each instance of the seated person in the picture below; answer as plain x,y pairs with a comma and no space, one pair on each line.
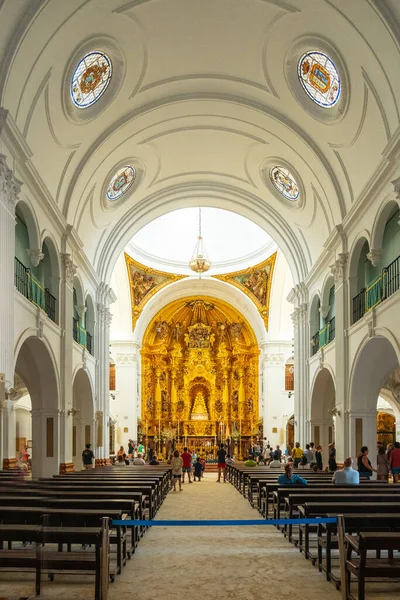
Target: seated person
347,475
153,461
289,478
197,469
229,460
120,462
250,462
139,460
275,462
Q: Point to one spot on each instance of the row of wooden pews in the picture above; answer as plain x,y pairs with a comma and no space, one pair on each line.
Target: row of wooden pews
370,521
64,523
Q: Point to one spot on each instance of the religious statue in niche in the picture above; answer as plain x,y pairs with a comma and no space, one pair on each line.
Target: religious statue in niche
164,401
178,332
236,330
199,410
218,406
162,330
199,336
149,404
180,406
250,404
235,401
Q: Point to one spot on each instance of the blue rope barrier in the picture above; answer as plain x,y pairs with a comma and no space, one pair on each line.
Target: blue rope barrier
223,523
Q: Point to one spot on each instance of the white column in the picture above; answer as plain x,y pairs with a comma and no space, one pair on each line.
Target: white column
66,400
342,322
302,402
278,407
362,432
9,190
105,295
125,406
45,458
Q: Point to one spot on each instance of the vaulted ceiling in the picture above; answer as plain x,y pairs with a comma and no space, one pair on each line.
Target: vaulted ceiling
203,100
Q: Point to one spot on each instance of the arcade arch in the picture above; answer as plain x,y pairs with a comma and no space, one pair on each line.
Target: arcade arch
367,378
36,369
83,424
323,400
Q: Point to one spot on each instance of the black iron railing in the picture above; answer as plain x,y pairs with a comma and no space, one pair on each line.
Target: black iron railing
381,288
315,344
89,343
392,283
332,329
80,335
359,306
31,288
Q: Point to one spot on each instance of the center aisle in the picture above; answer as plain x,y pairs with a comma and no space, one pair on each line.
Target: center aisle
223,562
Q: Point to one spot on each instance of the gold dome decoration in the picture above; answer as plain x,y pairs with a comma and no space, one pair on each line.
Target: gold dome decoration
255,282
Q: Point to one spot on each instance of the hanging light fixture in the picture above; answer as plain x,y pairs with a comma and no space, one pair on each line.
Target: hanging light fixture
200,263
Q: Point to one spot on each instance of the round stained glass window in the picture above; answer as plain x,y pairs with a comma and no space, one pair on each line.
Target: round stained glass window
285,183
90,79
320,78
120,183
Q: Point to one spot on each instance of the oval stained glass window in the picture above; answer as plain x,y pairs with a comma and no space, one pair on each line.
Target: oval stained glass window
120,183
285,183
90,79
319,78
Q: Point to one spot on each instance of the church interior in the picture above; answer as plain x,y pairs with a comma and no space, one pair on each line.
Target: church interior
200,261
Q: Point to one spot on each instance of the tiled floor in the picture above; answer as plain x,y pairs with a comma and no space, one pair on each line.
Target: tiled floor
241,563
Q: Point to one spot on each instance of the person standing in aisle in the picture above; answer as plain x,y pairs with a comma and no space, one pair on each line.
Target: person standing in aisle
176,469
87,457
221,456
187,464
297,453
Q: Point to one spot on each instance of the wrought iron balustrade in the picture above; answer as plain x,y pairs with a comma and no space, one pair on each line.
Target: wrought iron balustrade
89,343
392,282
30,287
315,344
332,329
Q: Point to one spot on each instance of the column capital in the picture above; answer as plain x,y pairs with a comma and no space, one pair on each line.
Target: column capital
324,310
339,266
374,256
69,268
35,256
81,310
9,186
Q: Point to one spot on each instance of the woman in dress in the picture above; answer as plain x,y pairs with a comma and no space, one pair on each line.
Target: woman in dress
318,458
382,464
176,466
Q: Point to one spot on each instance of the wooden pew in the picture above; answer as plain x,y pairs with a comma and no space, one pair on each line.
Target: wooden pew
45,560
354,523
365,567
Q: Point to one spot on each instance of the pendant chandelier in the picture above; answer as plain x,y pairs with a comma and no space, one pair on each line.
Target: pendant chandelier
200,263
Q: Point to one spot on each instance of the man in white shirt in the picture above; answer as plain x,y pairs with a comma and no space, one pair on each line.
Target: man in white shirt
139,460
347,475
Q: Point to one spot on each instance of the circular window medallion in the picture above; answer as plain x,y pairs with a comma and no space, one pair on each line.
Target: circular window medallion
285,183
319,78
90,79
120,183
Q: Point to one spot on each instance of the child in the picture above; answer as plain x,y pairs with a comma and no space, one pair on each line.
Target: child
198,468
203,463
176,464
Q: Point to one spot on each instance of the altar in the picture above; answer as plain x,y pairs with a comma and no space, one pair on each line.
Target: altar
199,377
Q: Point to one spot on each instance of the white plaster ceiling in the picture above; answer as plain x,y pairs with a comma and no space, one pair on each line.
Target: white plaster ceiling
231,241
204,95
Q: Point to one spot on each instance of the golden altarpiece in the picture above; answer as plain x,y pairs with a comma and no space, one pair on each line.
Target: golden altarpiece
199,376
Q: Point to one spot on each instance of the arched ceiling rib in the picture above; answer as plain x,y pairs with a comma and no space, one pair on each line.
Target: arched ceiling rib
202,100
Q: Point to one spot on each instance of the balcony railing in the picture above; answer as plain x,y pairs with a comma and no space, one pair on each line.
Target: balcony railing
31,288
323,337
381,288
315,344
82,336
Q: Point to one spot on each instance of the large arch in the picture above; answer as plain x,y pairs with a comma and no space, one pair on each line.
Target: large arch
323,400
83,425
36,368
376,359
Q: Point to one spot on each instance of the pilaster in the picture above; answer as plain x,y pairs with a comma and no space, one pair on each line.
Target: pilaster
9,190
